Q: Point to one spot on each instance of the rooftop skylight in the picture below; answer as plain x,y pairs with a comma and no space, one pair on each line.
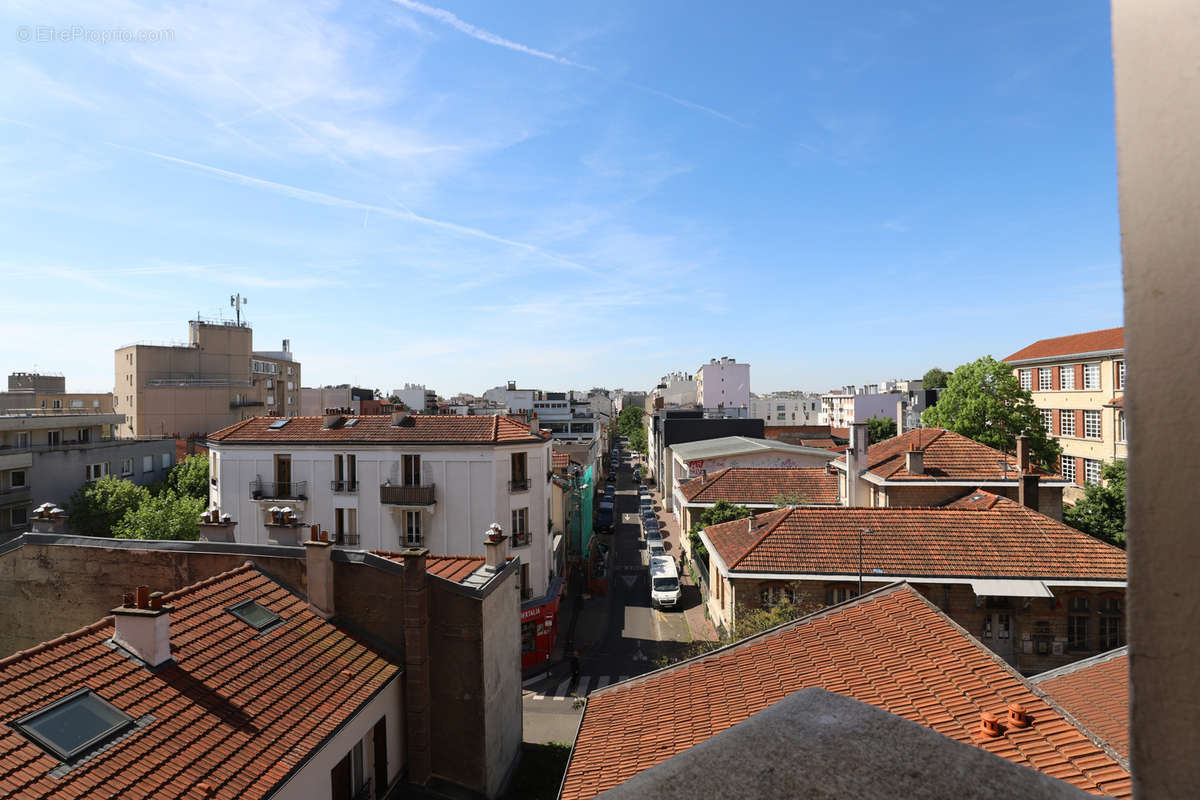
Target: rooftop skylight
255,615
279,423
350,423
70,727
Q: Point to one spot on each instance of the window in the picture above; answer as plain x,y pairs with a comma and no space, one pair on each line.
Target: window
1091,376
53,438
776,595
83,435
1066,377
291,384
255,615
1068,468
18,516
526,588
73,725
412,528
839,594
1026,378
345,472
16,478
22,439
345,526
1091,470
270,399
97,471
520,527
277,424
1048,420
127,466
1120,426
411,469
1045,379
520,472
147,463
1066,422
165,461
270,384
58,403
1077,622
1091,424
77,403
95,404
1112,628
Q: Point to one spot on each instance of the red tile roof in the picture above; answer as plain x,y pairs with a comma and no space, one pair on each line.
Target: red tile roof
1075,344
452,568
763,485
948,456
236,709
560,460
424,429
1005,540
794,431
890,648
1096,692
826,443
839,433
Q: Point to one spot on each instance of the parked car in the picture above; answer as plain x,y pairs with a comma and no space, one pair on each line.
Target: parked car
655,548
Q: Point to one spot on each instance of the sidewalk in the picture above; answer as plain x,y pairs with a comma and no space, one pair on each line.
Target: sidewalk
698,622
581,624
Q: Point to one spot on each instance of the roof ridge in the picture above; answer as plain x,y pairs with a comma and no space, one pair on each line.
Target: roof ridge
220,576
42,647
787,512
1083,663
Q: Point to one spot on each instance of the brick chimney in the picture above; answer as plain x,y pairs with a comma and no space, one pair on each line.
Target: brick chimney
496,547
143,626
318,555
331,418
418,727
1027,490
398,418
1022,454
856,460
914,460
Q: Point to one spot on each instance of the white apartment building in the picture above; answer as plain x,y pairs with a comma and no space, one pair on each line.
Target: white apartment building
386,482
775,409
677,389
723,383
417,397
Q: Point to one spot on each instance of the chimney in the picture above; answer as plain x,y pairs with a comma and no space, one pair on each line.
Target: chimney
899,417
1027,490
143,626
914,460
398,418
1023,453
534,427
331,418
48,518
750,524
989,725
496,545
856,460
418,719
318,557
1018,717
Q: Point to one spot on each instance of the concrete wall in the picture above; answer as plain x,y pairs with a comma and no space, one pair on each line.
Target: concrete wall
503,710
1157,91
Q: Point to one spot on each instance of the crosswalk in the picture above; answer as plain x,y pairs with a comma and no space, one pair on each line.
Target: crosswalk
563,690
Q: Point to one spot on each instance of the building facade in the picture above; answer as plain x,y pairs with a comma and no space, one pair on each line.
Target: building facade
386,482
786,409
417,398
1078,384
723,383
212,381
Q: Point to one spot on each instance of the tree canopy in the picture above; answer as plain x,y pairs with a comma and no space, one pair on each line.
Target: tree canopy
1101,512
97,506
935,378
984,401
629,425
164,516
718,512
189,478
881,428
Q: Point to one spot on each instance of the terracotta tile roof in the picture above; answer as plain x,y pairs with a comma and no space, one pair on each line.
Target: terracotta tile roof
839,433
975,501
763,485
236,709
1075,344
1116,402
452,568
371,429
560,460
1096,692
890,648
948,456
796,432
1003,540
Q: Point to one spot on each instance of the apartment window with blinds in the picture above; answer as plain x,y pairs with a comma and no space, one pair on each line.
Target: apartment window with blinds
1066,377
1091,424
1068,468
1026,378
1066,422
1045,379
520,527
1091,470
1091,376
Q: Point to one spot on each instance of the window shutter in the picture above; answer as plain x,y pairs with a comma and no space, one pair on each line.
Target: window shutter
1056,378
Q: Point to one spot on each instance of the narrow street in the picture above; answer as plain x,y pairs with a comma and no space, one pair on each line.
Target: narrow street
618,635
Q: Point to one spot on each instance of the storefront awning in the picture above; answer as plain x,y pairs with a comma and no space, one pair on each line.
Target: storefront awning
1010,588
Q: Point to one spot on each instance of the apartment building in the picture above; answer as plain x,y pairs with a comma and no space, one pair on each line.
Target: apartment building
386,482
846,406
417,398
723,383
213,380
46,454
786,408
35,390
1078,384
674,390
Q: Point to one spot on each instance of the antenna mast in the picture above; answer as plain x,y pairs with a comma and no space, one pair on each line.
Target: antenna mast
237,301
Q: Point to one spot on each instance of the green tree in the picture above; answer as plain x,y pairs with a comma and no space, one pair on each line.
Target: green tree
788,499
1101,513
189,478
97,506
984,401
718,512
880,428
629,425
166,516
935,378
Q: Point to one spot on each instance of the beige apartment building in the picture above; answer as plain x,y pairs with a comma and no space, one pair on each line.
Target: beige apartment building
30,390
214,380
1078,383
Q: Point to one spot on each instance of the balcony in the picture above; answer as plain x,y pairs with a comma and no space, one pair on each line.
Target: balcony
246,403
407,495
14,495
343,487
276,490
15,458
519,485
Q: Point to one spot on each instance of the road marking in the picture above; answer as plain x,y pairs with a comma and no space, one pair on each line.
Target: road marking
630,580
582,689
561,691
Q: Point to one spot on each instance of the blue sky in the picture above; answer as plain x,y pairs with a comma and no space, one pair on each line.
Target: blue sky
564,194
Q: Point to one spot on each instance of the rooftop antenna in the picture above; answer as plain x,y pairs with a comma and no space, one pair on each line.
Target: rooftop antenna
237,301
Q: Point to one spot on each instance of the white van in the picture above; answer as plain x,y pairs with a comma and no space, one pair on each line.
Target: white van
664,582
